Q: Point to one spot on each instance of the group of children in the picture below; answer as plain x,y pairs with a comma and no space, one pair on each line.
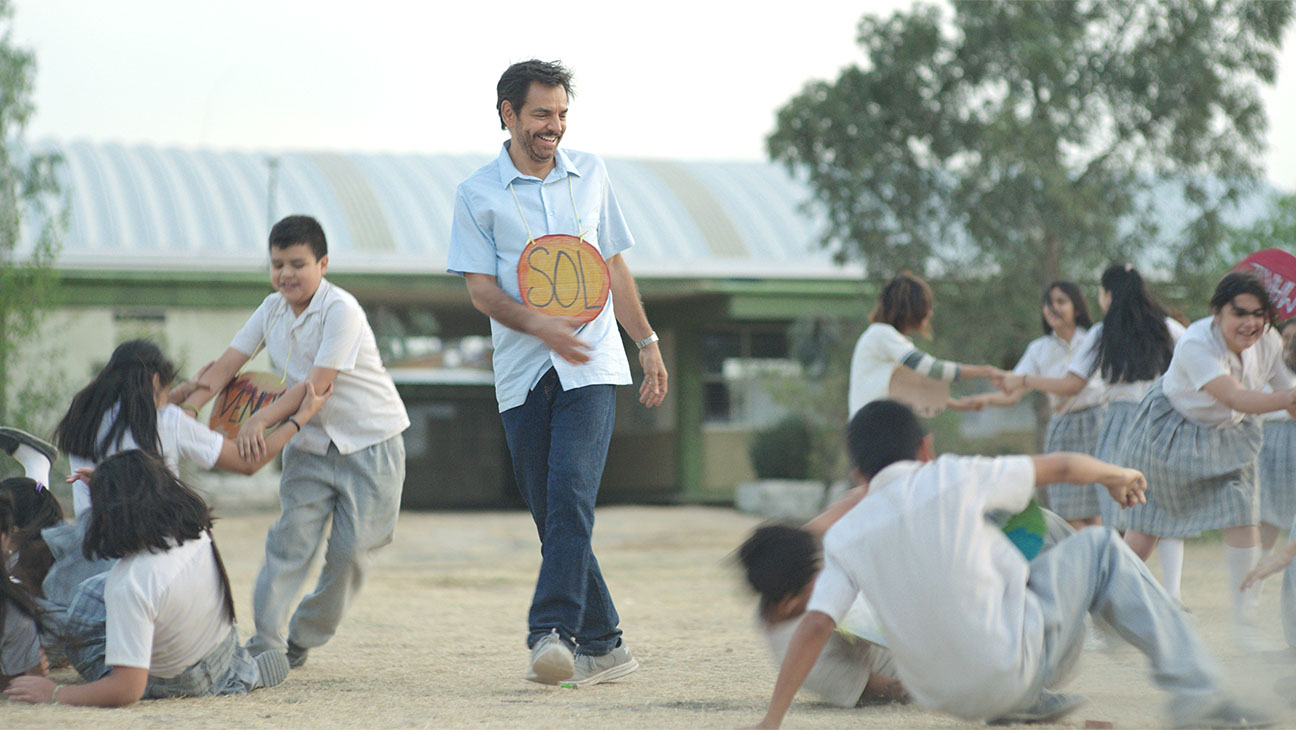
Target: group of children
1154,433
132,592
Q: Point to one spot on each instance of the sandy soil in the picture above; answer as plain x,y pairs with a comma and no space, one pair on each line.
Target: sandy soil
437,640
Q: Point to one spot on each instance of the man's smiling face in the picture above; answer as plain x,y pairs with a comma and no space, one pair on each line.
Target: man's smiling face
538,127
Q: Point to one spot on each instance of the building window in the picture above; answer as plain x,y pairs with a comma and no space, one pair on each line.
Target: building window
737,365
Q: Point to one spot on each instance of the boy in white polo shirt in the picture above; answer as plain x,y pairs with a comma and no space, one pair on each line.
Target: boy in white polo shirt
976,630
346,466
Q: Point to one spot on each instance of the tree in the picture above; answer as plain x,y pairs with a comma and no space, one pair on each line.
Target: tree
31,224
1027,141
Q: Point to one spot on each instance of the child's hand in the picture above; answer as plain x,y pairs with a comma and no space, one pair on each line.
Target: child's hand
251,439
36,690
313,401
1126,486
1270,564
82,474
1011,382
967,403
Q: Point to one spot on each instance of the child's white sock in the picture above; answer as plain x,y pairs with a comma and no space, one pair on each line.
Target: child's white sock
1171,554
1240,562
34,463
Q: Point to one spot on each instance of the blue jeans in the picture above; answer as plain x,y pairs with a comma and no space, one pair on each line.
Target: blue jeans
559,441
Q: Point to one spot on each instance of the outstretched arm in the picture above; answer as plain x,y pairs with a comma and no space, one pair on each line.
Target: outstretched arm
1069,384
122,686
248,461
807,643
1126,486
1227,390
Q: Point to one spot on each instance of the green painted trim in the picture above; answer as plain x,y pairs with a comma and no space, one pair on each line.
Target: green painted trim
689,407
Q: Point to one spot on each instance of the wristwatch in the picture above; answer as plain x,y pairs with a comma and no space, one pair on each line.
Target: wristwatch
651,338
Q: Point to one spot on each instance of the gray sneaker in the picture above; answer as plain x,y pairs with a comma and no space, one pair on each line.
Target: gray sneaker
1051,706
1228,714
604,668
551,660
272,668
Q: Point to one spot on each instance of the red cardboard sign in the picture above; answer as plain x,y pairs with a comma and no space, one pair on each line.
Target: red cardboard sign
1277,269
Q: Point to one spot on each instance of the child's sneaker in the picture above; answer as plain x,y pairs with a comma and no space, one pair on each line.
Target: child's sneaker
604,668
296,655
272,668
551,660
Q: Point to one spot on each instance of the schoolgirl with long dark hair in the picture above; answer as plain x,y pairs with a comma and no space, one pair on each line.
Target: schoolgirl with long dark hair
171,632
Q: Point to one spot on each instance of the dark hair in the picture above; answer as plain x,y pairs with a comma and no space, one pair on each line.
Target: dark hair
12,593
882,433
35,508
779,561
1135,343
1078,305
297,229
1236,283
517,79
904,303
140,505
126,381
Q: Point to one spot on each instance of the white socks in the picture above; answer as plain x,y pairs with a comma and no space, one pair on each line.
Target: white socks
1240,562
1171,554
34,463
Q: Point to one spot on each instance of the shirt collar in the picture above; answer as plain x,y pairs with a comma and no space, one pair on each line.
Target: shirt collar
316,302
508,172
893,472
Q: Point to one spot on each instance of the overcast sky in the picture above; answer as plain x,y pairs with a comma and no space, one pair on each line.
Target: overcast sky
668,79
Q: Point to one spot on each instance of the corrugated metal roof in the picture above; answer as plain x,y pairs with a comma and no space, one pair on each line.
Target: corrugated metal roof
138,207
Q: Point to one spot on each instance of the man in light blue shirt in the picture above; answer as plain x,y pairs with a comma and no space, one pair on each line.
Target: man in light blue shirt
555,378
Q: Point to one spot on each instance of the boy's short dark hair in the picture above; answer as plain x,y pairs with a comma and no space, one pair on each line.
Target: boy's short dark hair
780,561
297,229
882,433
516,82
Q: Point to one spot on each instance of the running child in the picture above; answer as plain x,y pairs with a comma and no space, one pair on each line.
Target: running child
345,469
1196,437
160,623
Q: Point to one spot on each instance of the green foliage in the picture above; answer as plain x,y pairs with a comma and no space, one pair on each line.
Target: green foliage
1027,141
30,204
782,451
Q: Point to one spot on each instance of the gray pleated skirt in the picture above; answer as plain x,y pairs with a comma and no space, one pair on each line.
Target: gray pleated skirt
1117,417
1199,477
1075,431
1277,473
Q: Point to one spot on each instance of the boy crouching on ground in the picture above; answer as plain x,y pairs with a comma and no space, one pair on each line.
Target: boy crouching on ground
975,630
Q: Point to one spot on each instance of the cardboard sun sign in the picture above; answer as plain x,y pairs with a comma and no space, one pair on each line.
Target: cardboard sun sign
563,276
246,394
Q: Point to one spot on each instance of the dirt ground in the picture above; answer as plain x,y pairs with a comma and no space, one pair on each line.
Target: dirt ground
436,640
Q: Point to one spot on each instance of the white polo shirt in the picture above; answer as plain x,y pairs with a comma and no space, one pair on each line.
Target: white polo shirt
947,586
1048,357
1202,356
334,333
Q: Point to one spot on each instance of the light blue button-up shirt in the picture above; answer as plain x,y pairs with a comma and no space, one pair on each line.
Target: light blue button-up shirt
488,235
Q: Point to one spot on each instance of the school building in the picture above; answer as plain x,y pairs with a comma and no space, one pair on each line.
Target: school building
170,243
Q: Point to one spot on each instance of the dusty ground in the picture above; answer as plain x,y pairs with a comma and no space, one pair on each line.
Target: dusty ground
436,640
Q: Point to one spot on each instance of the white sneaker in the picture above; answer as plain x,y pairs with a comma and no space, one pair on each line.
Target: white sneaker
551,660
605,668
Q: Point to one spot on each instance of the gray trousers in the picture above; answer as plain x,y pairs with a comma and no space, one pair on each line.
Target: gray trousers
357,494
1095,572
